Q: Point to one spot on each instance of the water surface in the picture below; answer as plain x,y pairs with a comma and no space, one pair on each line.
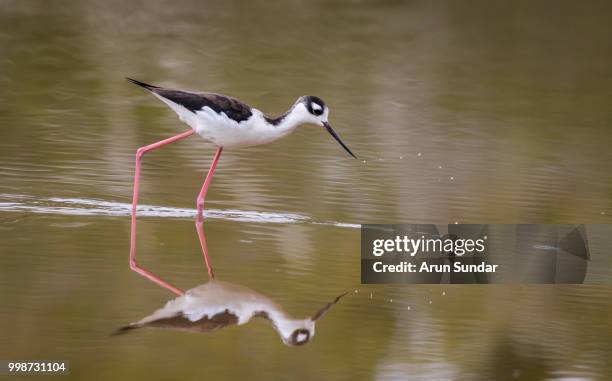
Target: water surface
486,112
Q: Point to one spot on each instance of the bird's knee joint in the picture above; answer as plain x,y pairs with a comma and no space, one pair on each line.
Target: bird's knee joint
134,265
140,153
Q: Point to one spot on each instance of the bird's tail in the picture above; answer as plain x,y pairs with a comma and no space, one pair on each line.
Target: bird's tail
125,329
142,84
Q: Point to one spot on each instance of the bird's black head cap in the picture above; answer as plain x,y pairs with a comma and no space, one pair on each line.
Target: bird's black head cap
314,105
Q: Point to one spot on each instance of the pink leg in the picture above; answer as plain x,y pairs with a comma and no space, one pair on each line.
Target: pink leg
200,216
200,229
133,264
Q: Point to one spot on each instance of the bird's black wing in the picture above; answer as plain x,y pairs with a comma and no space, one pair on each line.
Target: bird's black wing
233,108
206,324
181,322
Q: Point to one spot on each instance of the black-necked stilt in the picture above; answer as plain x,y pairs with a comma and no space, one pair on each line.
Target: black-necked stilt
216,304
226,122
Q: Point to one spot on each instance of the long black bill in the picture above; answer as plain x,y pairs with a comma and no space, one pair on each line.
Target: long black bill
333,133
324,310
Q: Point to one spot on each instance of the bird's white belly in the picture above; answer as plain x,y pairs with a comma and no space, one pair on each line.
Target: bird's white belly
225,132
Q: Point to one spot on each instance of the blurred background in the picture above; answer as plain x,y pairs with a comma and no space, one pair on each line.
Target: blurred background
474,112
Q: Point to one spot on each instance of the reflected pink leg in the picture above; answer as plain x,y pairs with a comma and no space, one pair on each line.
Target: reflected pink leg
200,229
200,216
133,264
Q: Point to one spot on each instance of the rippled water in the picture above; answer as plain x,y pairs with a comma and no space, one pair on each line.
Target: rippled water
486,112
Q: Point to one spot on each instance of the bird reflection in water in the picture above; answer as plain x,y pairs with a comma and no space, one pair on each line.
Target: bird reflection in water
218,304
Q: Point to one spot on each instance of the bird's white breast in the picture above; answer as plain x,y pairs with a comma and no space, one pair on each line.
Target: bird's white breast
226,132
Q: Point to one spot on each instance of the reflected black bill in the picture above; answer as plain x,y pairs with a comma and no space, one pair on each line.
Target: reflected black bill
333,133
324,310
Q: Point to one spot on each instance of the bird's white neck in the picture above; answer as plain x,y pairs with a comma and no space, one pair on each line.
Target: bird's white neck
286,325
296,116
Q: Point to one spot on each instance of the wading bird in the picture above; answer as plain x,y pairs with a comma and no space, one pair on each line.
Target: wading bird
227,123
216,304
